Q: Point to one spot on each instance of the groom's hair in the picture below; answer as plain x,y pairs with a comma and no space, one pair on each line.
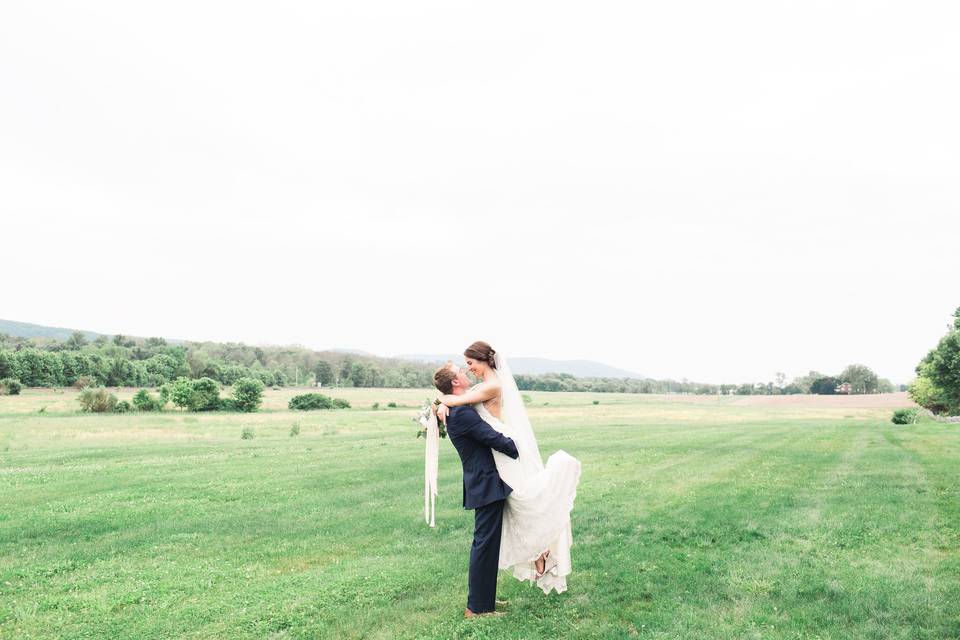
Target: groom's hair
443,378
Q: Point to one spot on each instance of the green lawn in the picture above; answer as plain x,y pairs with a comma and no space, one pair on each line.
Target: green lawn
696,518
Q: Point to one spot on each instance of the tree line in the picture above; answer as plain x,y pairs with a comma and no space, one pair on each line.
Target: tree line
122,361
859,378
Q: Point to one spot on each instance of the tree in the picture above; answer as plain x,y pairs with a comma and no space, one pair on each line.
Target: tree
324,373
181,393
861,378
76,341
247,394
938,383
804,382
9,367
926,394
206,395
122,341
825,386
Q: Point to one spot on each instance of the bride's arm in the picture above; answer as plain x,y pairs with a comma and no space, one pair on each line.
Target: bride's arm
481,393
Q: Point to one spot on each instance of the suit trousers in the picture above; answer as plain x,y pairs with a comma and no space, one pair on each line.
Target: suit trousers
485,557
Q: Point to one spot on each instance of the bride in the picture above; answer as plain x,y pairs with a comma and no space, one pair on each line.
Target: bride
536,536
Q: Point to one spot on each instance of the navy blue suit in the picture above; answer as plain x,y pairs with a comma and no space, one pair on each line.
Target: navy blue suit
485,492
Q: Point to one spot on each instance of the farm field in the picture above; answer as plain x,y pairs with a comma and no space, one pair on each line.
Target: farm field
696,517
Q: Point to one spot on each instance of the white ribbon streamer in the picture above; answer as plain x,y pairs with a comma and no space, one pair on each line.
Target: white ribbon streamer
431,469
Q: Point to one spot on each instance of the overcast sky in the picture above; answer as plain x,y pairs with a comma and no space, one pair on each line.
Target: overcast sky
712,190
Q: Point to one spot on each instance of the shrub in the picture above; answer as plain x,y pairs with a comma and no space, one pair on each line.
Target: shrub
295,429
596,402
10,386
310,401
206,395
340,403
143,401
906,416
123,407
376,405
247,394
391,405
925,393
97,400
83,382
202,394
247,433
228,404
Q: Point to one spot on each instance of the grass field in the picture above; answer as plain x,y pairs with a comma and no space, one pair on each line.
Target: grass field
696,518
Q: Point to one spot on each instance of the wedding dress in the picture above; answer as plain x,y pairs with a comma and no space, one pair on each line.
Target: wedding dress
536,516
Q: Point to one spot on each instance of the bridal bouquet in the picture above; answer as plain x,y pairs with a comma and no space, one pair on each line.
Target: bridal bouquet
423,419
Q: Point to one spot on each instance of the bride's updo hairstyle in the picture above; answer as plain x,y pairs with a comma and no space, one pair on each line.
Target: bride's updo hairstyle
481,352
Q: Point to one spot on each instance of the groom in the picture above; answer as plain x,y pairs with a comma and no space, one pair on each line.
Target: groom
483,490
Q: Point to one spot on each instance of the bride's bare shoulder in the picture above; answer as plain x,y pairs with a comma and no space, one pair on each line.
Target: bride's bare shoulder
490,388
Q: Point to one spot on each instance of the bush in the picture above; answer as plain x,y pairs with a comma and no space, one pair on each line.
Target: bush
906,416
97,400
143,401
295,429
391,405
228,404
83,382
376,405
596,402
247,394
206,395
202,394
123,407
10,386
926,394
310,401
247,433
340,403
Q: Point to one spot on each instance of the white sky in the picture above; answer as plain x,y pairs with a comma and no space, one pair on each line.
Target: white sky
710,190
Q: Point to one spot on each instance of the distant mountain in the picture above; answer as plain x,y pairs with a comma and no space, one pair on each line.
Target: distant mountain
28,330
528,366
536,366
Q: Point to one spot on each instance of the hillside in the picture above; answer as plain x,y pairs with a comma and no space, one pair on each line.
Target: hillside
29,330
520,366
539,366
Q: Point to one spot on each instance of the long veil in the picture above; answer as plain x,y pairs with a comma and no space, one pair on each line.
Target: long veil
514,414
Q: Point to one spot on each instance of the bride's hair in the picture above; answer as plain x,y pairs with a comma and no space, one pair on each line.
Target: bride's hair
481,351
443,378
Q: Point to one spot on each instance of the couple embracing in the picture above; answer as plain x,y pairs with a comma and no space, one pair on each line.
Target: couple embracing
521,505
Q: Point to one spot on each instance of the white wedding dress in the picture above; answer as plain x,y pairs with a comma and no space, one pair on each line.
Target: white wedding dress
536,516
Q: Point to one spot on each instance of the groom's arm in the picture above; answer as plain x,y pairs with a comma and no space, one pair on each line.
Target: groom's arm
473,424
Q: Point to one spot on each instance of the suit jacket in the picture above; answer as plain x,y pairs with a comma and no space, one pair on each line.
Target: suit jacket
474,440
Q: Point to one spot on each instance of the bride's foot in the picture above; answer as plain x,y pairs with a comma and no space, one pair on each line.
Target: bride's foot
541,563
